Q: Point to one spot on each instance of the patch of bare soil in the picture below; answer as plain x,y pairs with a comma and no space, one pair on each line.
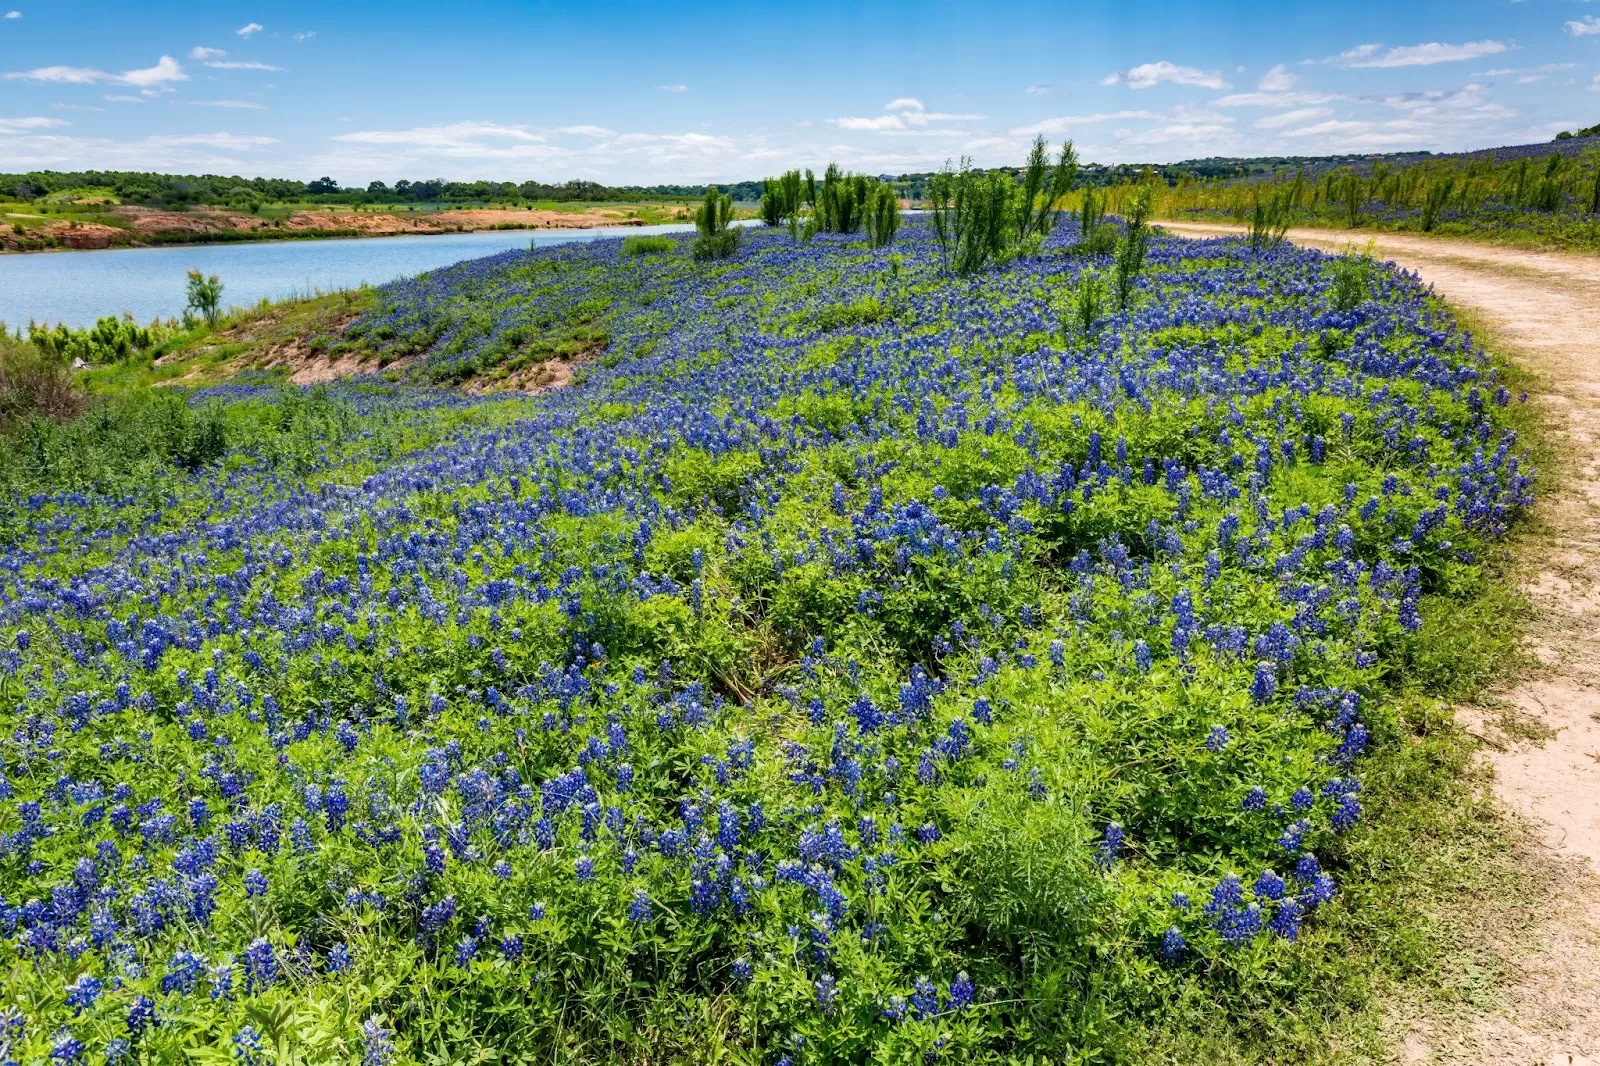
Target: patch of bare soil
1543,742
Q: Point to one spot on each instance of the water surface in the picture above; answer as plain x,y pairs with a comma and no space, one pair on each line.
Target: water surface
79,287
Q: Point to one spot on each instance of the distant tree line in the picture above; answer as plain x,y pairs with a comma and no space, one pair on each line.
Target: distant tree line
215,190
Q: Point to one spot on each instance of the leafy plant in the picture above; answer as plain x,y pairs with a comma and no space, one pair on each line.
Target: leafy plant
1042,189
1438,196
883,214
642,245
205,296
1269,222
1349,281
719,238
1132,247
971,213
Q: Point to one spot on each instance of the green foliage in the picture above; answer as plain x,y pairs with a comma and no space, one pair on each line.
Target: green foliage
882,215
719,238
971,213
33,384
1354,195
205,296
1349,281
1042,189
1268,223
842,201
109,340
1087,304
1132,247
647,245
1438,197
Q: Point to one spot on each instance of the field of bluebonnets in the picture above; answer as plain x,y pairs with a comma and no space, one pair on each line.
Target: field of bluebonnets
855,663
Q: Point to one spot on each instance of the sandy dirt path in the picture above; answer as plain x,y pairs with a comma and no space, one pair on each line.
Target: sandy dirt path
1542,310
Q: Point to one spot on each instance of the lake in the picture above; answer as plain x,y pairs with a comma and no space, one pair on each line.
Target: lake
79,287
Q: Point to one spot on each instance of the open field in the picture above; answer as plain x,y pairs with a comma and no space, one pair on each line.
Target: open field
840,657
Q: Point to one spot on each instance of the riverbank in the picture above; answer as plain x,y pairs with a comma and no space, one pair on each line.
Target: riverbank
124,226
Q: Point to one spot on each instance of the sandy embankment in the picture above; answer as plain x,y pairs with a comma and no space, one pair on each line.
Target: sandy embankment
150,226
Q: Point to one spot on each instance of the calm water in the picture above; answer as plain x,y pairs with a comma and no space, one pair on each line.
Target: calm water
79,287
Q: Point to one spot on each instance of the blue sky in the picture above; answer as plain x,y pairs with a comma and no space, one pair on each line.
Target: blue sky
694,92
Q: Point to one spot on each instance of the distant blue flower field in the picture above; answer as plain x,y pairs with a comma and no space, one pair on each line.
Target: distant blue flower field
852,664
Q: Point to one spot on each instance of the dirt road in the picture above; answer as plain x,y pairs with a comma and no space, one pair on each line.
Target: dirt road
1542,310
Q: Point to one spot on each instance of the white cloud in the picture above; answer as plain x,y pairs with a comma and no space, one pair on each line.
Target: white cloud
1177,132
675,87
585,131
1468,103
1418,55
1064,123
1525,72
240,64
202,52
456,137
123,98
904,103
882,122
13,14
1587,26
1148,75
306,36
1276,80
1594,86
1037,90
1290,99
1293,118
186,153
240,104
24,125
166,70
249,28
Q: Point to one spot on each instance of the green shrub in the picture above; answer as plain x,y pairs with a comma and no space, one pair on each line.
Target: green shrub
1042,189
883,215
33,384
718,238
971,213
647,245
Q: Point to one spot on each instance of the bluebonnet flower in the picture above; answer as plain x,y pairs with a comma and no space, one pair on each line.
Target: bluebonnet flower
639,909
83,992
377,1046
1172,946
247,1046
1217,739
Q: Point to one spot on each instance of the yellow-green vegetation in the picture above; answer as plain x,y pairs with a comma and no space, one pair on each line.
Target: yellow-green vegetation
1540,196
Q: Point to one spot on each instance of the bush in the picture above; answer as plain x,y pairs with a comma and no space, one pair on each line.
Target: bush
33,384
718,238
647,245
971,217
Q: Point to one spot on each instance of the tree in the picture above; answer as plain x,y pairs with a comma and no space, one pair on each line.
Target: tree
205,296
322,186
